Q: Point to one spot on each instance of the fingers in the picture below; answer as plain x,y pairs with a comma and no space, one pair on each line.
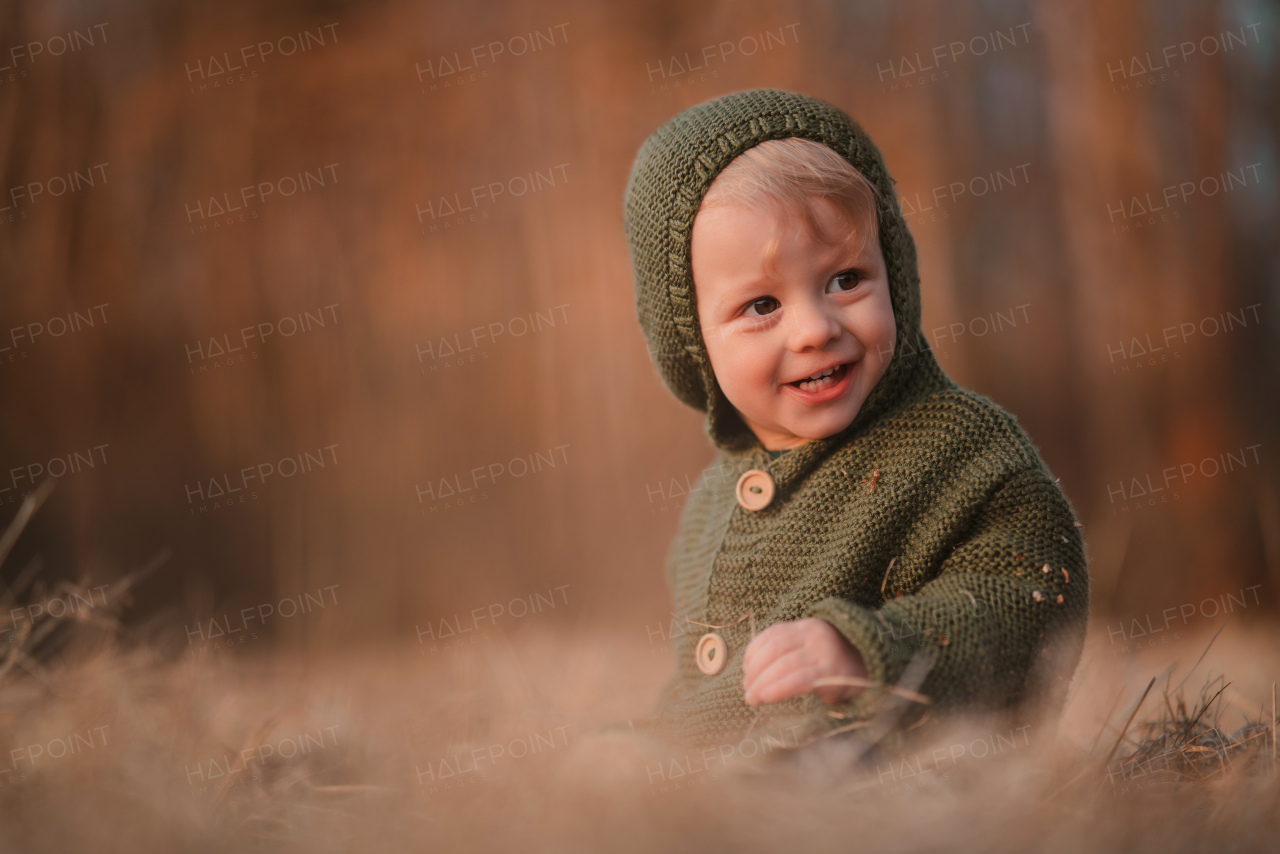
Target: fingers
789,678
785,659
768,645
781,684
781,638
785,676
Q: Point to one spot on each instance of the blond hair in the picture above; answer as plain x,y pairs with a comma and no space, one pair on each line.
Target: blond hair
785,176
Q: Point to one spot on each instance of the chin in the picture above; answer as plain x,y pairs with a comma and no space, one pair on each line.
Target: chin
823,430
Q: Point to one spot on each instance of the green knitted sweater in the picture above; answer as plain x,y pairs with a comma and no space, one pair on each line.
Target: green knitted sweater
928,529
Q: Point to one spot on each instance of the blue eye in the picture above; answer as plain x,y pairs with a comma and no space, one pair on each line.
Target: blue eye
762,306
847,280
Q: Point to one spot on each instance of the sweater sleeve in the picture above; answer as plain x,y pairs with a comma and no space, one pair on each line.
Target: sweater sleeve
1004,615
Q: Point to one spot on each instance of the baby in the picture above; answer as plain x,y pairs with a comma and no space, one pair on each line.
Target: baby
885,533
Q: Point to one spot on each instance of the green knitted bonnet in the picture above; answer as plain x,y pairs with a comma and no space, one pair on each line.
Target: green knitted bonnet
673,170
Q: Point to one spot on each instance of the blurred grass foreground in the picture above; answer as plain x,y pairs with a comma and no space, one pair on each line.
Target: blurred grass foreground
137,744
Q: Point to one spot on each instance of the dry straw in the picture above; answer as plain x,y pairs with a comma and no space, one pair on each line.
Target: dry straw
420,760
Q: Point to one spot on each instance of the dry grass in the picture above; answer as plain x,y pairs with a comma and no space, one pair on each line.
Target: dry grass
397,750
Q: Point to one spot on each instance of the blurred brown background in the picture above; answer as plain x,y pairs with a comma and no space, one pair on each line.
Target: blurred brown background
409,173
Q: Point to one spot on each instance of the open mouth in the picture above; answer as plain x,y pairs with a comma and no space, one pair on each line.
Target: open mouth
821,380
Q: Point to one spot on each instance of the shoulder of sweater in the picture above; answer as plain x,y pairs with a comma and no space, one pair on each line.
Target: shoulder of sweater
968,407
957,424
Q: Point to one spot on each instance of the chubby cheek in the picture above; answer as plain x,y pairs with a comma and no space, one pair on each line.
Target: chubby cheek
763,376
879,336
884,350
746,372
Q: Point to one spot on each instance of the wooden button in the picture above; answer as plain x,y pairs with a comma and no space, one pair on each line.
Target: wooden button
755,490
711,654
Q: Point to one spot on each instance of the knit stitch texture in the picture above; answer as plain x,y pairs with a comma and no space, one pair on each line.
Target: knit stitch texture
929,526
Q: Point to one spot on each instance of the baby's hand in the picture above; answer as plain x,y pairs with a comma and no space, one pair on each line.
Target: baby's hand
785,659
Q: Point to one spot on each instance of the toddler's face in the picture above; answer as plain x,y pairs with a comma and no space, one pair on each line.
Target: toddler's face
823,311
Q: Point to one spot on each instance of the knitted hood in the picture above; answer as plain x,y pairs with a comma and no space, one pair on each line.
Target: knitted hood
672,172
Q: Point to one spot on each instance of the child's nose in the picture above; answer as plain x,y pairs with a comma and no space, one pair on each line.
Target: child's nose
814,325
